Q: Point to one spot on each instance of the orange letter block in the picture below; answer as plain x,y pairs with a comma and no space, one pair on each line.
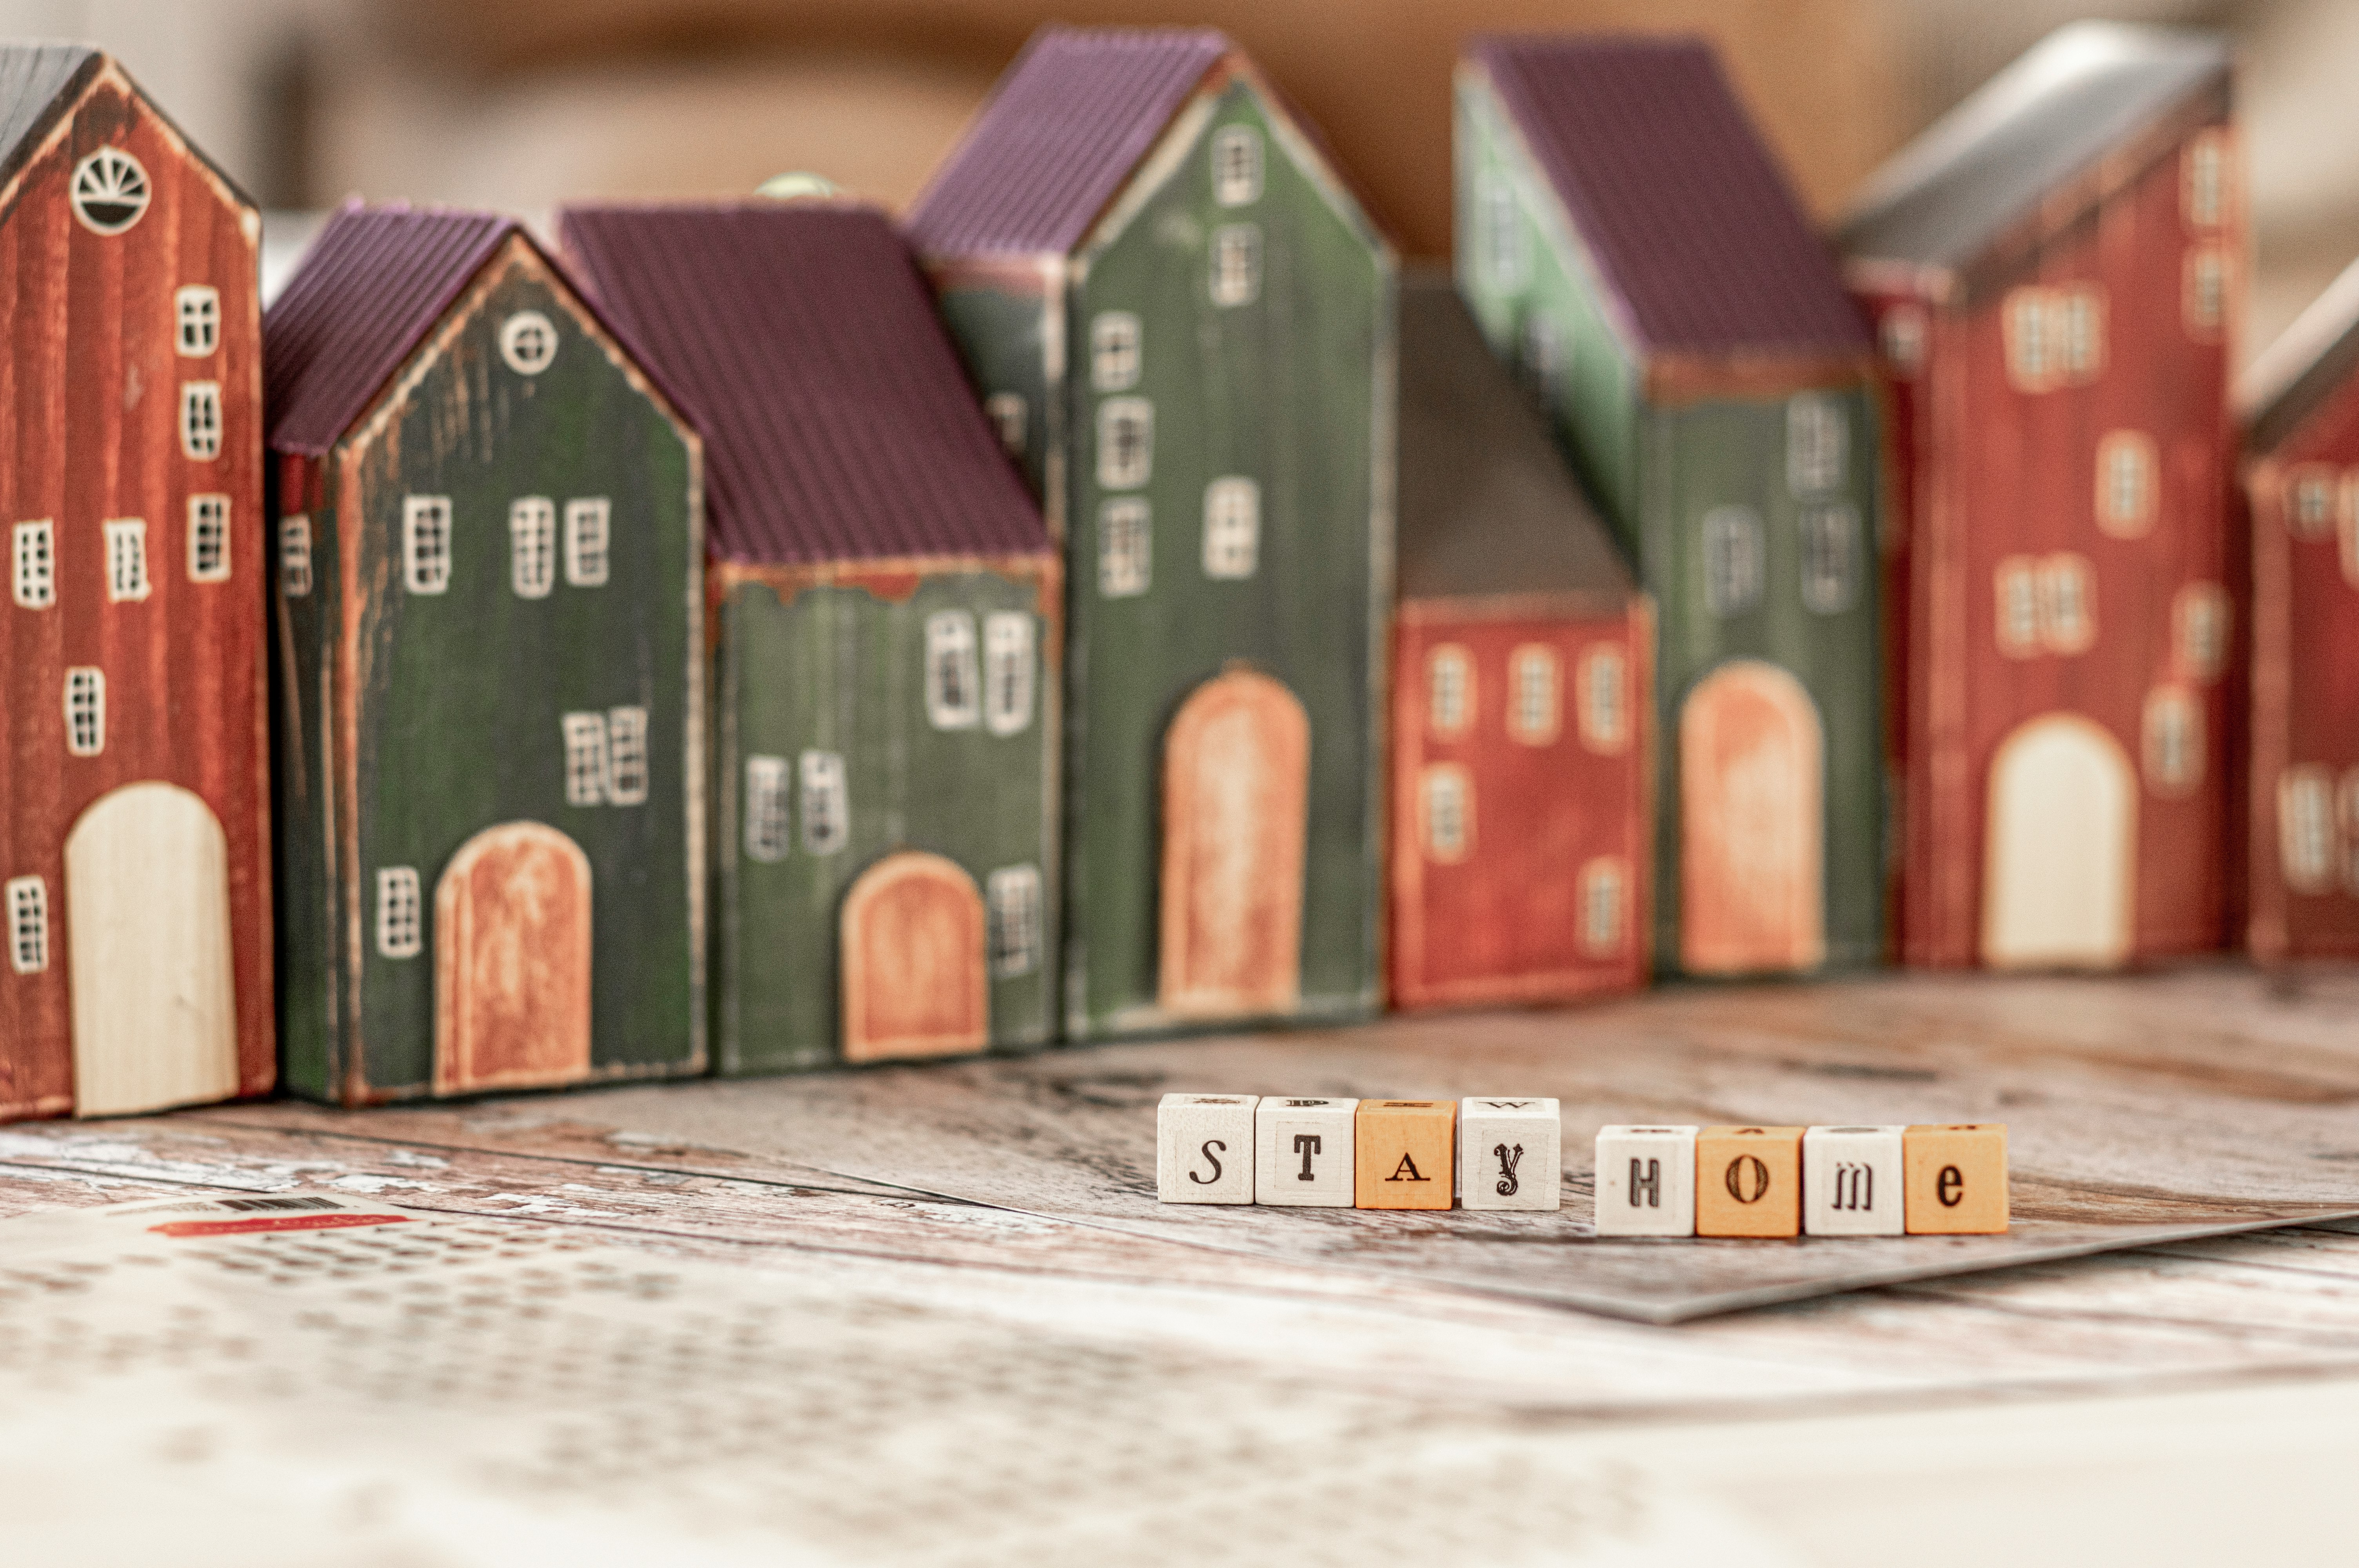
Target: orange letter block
1407,1155
1749,1181
1956,1179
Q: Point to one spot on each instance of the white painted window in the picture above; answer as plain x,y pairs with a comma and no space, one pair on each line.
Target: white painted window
201,419
400,913
28,925
1540,352
1126,442
765,809
1602,699
827,806
126,560
208,538
2203,189
1603,882
294,556
1237,166
1902,334
2128,484
1818,444
1447,792
2031,355
196,315
1232,528
1831,557
1012,895
2174,740
2055,336
1115,345
85,710
532,546
2200,619
2309,501
1010,419
2018,621
1536,704
529,342
953,685
109,192
2203,293
34,552
426,543
2068,614
585,757
1125,548
1733,563
2308,846
1449,691
2081,308
626,756
1499,243
1236,265
1007,680
589,526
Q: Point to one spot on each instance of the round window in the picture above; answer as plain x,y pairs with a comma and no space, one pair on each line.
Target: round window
109,190
527,342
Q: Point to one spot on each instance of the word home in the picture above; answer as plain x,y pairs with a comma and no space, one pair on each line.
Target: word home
1777,1182
1481,1153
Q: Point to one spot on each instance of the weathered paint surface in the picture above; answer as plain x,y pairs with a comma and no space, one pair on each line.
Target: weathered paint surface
915,961
514,914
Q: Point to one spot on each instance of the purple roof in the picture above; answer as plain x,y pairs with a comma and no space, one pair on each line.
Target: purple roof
800,341
371,286
1683,209
1067,126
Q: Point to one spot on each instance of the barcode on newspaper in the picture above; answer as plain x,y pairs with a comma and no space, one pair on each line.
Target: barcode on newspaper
279,1203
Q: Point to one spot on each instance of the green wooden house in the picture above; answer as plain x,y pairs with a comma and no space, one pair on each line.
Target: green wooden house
1182,323
1626,240
490,724
885,604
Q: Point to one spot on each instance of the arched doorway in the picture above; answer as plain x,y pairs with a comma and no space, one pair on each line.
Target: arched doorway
2060,878
1752,813
148,925
512,961
1236,781
914,977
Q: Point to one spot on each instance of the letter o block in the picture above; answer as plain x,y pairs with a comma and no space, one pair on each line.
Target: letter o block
1407,1153
1646,1181
1205,1149
1749,1181
1956,1179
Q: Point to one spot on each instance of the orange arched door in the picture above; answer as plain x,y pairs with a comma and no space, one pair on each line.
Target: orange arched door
2060,870
1236,780
512,961
1752,803
913,954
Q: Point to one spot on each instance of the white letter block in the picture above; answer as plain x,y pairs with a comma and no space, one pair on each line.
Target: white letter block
1646,1181
1302,1152
1510,1153
1203,1148
1850,1182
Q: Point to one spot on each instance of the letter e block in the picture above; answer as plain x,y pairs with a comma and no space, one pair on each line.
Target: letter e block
1407,1153
1646,1181
1302,1152
1205,1149
1957,1179
1510,1153
1851,1180
1749,1181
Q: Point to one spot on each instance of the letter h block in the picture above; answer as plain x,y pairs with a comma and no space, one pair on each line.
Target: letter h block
1510,1153
1406,1156
1646,1181
1851,1180
1302,1152
1205,1149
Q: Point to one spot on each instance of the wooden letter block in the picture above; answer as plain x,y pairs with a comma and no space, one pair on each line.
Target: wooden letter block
1510,1153
1749,1181
1851,1180
1203,1148
1302,1152
1406,1154
1957,1179
1646,1181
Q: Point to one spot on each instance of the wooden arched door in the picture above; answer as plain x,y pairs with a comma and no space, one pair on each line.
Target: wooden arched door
512,961
148,935
2059,868
1236,784
1752,806
914,955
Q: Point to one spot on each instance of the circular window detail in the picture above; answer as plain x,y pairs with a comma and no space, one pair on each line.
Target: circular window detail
527,342
109,190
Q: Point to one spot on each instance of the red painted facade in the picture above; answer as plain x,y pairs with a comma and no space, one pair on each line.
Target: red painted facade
92,388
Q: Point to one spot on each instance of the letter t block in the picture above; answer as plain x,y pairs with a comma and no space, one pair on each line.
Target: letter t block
1646,1181
1302,1152
1957,1179
1407,1153
1205,1149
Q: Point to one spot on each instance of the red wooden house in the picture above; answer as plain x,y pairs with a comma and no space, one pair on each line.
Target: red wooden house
1522,650
134,785
2053,272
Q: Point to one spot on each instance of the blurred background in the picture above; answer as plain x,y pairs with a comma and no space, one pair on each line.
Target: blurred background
518,104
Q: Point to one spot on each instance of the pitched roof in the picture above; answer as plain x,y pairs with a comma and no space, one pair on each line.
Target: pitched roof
1063,131
38,82
2051,117
800,339
1683,209
1487,505
2309,361
366,292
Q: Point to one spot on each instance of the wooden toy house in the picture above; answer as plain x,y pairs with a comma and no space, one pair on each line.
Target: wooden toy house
1625,238
135,787
489,532
1182,323
885,607
2053,270
1521,801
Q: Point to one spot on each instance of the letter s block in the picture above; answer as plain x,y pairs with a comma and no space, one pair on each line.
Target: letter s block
1956,1179
1205,1149
1407,1153
1749,1181
1510,1153
1851,1180
1302,1152
1646,1181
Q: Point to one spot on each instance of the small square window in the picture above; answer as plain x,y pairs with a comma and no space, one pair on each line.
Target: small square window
1236,265
2174,742
34,549
826,808
1603,897
1534,709
1009,419
1732,564
1818,444
2068,617
532,546
765,809
2018,607
294,556
1012,895
2200,619
208,538
626,756
426,543
2128,484
28,925
1114,351
1446,801
585,759
400,916
1831,557
85,710
589,524
2308,843
954,694
1126,442
1232,528
1450,692
201,419
1007,640
1125,548
1604,700
196,313
1237,166
126,560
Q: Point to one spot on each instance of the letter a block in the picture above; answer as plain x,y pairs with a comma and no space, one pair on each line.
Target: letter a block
1510,1153
1405,1157
1749,1181
1851,1180
1205,1149
1302,1152
1646,1181
1957,1179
